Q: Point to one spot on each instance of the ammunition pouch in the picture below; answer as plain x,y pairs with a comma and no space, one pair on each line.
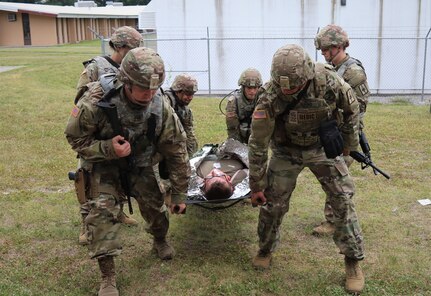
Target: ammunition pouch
331,138
82,184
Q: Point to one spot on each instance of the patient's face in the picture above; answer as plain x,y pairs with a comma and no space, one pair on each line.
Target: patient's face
216,176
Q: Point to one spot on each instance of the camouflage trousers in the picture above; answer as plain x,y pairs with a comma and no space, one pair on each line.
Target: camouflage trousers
327,210
333,175
102,220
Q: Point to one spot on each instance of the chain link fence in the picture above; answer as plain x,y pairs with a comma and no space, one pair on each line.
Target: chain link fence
394,65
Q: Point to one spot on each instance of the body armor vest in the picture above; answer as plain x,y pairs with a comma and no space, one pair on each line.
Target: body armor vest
141,127
182,111
104,67
350,61
244,110
297,122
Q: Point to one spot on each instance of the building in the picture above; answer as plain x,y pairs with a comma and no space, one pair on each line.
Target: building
34,24
215,40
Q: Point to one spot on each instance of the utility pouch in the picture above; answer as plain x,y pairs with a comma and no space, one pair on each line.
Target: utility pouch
331,138
163,170
81,184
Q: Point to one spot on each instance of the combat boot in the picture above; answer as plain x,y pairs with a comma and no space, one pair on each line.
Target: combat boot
123,218
324,229
262,260
355,280
108,286
163,249
82,239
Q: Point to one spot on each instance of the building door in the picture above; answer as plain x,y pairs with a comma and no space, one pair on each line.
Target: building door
26,29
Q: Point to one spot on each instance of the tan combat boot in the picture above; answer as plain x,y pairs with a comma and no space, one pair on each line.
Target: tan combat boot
108,286
163,249
355,280
82,239
262,260
324,229
123,218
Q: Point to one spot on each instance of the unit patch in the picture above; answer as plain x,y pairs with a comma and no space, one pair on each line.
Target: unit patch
350,96
363,89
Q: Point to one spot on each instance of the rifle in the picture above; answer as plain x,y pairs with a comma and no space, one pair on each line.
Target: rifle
365,162
125,163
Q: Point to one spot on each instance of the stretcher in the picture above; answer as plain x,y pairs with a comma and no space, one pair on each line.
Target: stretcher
195,195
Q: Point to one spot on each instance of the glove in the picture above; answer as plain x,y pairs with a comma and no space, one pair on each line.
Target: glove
331,139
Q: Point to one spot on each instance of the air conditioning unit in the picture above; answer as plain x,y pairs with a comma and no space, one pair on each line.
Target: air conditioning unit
11,17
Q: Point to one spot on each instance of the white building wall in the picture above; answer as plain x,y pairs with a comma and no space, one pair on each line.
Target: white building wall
390,64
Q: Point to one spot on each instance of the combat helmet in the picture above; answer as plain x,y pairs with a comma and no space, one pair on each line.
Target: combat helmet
250,78
186,83
291,67
143,67
331,35
125,36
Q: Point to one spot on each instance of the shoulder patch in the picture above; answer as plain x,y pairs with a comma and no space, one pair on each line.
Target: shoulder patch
260,114
350,96
75,111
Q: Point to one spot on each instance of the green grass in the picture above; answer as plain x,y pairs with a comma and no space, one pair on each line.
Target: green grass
39,225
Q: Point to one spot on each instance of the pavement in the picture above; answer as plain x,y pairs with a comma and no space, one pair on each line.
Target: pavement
8,68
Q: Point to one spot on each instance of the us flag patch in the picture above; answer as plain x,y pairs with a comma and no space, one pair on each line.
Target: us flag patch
259,114
75,111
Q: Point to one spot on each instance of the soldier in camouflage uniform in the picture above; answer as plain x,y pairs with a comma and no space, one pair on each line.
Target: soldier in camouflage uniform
180,95
292,108
241,104
149,126
332,40
122,40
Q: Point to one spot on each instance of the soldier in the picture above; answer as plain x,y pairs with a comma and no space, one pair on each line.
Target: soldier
241,104
148,125
180,95
332,40
122,40
296,114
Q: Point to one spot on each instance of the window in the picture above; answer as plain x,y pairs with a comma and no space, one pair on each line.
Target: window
11,17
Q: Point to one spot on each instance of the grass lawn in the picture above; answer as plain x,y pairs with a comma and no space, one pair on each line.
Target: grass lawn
39,227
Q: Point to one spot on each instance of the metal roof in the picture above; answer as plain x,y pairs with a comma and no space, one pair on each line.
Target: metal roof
74,12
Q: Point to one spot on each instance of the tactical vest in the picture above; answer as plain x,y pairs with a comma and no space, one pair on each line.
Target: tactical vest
350,61
104,66
182,111
298,122
244,111
141,127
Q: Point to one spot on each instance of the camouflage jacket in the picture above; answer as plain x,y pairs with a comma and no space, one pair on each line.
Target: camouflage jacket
94,68
186,117
292,122
353,73
239,111
90,134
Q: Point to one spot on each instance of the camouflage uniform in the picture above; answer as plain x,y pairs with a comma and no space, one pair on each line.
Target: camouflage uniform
186,83
90,134
98,66
289,124
352,71
239,109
